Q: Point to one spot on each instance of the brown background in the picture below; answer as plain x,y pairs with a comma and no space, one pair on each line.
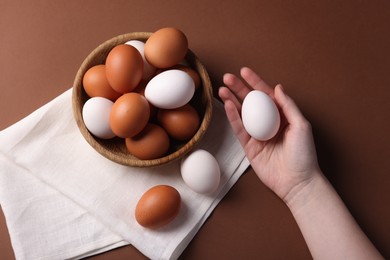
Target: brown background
332,57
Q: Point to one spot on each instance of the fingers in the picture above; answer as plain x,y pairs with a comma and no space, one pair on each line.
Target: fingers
225,94
290,110
236,85
255,81
240,89
236,123
235,91
232,109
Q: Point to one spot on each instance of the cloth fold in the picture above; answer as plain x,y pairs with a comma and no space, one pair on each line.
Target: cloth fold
61,199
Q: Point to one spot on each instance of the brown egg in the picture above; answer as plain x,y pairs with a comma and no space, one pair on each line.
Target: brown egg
140,89
166,47
194,75
158,206
96,85
151,143
124,68
180,123
129,115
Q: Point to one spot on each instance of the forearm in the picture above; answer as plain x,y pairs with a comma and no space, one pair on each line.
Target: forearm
329,229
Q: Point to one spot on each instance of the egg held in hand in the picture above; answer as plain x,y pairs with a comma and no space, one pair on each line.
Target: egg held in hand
260,116
200,171
158,206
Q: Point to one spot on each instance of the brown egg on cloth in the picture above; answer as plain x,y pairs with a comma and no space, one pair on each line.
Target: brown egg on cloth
166,47
151,143
96,85
129,115
180,123
124,68
158,206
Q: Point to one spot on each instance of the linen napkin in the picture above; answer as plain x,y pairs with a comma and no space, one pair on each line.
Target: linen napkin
61,199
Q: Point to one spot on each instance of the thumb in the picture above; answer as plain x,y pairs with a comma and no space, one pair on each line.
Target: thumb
289,108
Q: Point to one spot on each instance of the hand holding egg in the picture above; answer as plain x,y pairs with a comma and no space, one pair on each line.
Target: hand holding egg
259,114
285,160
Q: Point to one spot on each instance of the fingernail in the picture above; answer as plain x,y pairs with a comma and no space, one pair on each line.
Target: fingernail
281,88
226,77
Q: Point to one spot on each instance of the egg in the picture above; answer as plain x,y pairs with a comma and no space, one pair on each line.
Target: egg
193,74
96,117
140,89
96,85
200,171
260,116
170,89
158,206
166,47
151,143
129,115
149,70
180,123
124,68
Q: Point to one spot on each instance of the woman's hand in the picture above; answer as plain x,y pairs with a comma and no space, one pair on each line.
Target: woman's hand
288,165
288,161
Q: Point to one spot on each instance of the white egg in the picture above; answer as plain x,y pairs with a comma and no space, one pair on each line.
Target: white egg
149,70
260,115
96,117
170,89
200,171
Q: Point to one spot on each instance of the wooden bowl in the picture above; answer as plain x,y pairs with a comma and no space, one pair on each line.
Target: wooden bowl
115,149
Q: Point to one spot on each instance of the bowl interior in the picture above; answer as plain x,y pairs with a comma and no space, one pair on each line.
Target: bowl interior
115,149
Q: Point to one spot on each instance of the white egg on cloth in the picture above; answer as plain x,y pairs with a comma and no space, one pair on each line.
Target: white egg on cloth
200,171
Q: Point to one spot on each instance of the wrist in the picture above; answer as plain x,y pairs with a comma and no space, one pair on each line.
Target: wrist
306,191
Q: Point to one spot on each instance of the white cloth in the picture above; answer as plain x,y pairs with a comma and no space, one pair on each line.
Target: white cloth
61,199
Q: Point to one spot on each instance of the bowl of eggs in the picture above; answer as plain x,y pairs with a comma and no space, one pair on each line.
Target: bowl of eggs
143,99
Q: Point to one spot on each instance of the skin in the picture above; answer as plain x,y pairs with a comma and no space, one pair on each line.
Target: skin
288,165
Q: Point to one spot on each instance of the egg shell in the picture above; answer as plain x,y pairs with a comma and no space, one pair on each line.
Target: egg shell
181,123
193,74
129,115
140,89
151,143
96,85
166,47
170,89
124,68
260,116
96,116
200,171
149,70
158,206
